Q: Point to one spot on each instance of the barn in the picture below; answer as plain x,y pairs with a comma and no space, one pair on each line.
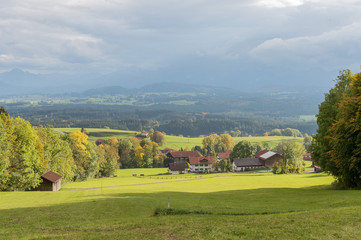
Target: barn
51,182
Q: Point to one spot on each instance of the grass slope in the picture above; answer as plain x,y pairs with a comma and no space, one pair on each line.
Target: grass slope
175,142
238,206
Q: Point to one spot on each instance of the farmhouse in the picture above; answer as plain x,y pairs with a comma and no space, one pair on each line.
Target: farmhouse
263,159
51,182
182,156
268,157
241,164
178,168
197,164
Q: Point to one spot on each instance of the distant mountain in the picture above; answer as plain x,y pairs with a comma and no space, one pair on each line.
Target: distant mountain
137,81
165,87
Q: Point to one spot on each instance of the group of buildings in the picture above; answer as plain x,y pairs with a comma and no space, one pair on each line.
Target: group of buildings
192,161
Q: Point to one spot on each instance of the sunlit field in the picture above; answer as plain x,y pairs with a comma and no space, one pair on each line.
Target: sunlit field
206,206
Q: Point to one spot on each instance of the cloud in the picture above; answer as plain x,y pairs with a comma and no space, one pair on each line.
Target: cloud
336,47
107,35
279,3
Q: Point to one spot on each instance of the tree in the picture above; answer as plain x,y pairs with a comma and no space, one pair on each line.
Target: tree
209,144
242,149
345,137
7,139
57,153
127,153
2,110
27,159
307,140
84,155
108,169
158,137
227,141
276,132
292,158
328,114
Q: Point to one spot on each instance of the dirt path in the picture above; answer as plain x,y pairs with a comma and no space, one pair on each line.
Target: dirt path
139,184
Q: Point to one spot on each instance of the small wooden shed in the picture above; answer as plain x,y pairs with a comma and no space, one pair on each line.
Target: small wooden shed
51,182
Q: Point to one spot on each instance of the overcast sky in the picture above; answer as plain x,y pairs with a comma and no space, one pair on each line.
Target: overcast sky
265,38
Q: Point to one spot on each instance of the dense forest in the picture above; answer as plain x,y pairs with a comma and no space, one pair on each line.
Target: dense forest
171,122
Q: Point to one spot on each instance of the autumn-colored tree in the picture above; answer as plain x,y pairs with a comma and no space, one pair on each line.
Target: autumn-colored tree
158,137
228,141
209,144
345,137
84,156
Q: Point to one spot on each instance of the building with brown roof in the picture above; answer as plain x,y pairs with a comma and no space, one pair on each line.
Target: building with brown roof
178,168
263,159
225,155
241,164
182,156
51,182
197,164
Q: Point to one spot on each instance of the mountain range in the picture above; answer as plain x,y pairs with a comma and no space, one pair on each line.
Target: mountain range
19,82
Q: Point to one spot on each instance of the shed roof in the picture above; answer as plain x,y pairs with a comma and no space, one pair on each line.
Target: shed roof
201,160
185,154
257,155
178,166
248,162
51,176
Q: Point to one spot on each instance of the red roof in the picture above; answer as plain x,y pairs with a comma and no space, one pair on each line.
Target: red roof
307,156
224,155
257,155
185,154
51,176
201,160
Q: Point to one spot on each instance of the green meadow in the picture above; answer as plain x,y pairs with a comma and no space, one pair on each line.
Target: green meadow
175,142
208,206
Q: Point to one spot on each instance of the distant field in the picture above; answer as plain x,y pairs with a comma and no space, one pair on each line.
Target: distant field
308,118
175,142
95,133
220,206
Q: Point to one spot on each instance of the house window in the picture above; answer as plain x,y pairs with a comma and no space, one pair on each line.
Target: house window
196,165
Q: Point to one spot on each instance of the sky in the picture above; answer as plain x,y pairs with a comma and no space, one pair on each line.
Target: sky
228,42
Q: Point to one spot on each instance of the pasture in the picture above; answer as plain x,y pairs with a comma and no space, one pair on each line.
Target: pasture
209,206
176,142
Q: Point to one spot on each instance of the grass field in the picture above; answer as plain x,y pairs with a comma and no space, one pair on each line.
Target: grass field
220,206
175,142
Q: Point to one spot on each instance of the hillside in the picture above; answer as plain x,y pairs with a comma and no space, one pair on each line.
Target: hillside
231,206
175,142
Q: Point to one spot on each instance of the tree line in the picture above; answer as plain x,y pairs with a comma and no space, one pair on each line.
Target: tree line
26,152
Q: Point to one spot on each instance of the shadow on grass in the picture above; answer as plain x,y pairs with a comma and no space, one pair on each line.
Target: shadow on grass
93,213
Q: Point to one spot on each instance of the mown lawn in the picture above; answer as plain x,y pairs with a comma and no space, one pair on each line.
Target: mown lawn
229,206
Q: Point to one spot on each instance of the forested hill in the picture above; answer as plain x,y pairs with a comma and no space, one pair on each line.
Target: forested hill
171,106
